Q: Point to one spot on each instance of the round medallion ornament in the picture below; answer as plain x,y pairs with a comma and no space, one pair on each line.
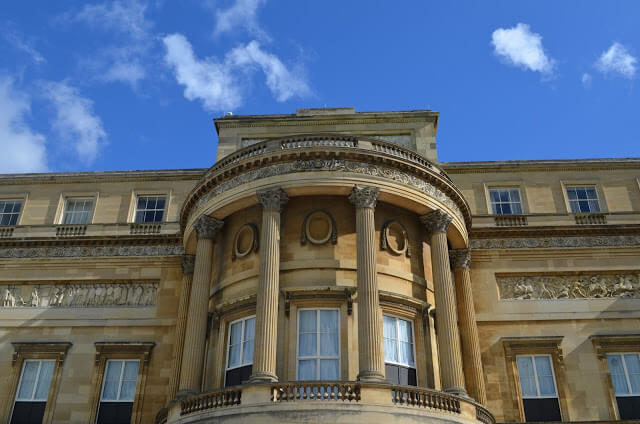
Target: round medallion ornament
246,240
318,228
394,238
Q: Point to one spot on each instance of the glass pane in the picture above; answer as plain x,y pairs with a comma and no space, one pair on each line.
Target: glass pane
160,203
506,209
249,329
128,391
527,379
547,388
307,344
142,202
307,321
307,369
389,327
632,361
44,382
139,216
328,321
516,208
528,387
390,350
130,371
112,380
404,331
515,195
28,379
594,206
571,193
591,192
525,366
495,196
329,369
247,352
617,374
406,354
236,333
504,196
575,207
581,193
543,365
234,356
329,344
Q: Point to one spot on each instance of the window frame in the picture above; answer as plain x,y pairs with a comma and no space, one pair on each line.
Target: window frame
413,341
626,373
535,371
74,198
491,203
518,185
13,198
317,358
613,343
602,202
120,381
228,346
133,203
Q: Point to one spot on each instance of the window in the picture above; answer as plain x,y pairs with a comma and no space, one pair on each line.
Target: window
583,199
537,383
318,344
150,209
625,376
240,351
118,392
10,212
33,391
505,201
77,211
398,351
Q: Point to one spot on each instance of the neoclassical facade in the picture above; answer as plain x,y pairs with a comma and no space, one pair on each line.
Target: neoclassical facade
326,268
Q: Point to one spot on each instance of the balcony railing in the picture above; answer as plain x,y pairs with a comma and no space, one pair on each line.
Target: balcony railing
511,220
70,230
591,219
26,232
212,400
337,391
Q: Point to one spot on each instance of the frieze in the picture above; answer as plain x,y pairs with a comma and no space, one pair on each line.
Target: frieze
555,242
79,295
334,165
89,251
584,286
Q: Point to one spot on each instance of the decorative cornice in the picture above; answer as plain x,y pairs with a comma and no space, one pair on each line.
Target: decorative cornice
436,221
188,263
555,242
95,251
207,227
140,350
40,349
608,343
272,199
364,196
116,176
460,258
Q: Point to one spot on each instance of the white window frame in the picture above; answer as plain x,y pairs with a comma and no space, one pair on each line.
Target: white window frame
535,375
626,373
35,384
104,380
413,343
74,198
133,206
505,187
567,187
23,201
318,357
227,368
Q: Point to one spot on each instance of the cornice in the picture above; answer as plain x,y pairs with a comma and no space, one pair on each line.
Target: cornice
556,231
115,176
455,168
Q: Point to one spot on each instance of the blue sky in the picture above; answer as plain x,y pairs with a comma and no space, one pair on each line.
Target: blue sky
135,84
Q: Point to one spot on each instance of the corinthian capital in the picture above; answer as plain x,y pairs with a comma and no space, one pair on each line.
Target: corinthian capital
188,262
273,199
208,227
364,197
460,258
436,221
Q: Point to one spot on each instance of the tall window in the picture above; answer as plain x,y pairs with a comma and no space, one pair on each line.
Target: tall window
150,209
505,201
9,212
240,351
33,391
118,392
77,211
625,375
399,359
539,395
318,344
583,199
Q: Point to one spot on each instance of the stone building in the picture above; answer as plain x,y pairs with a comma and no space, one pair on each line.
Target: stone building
322,271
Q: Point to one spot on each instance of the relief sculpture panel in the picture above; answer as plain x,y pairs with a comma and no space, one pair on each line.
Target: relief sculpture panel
79,295
584,286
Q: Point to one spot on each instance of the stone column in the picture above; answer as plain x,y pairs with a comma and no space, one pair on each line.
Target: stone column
369,326
195,337
461,261
266,337
188,262
448,337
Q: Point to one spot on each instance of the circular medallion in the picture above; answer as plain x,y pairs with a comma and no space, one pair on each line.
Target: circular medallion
318,227
396,238
245,241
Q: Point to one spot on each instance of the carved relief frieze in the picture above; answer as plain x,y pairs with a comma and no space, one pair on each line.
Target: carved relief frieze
90,251
79,295
333,165
555,242
583,286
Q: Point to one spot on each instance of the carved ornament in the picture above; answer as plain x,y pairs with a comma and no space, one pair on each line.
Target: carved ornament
460,258
364,196
394,238
245,241
436,221
188,263
555,242
272,199
308,232
91,251
207,227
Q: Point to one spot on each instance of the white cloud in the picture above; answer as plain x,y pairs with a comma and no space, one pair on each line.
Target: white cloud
519,46
617,60
206,80
586,79
127,17
243,13
18,41
218,84
23,150
75,120
283,83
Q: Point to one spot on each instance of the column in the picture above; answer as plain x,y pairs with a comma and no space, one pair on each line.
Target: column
369,326
266,337
448,337
195,337
461,261
188,262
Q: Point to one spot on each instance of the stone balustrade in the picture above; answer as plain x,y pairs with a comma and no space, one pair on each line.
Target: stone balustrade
316,390
213,400
511,220
71,230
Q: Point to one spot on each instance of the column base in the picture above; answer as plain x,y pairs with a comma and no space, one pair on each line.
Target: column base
185,393
371,377
263,377
458,391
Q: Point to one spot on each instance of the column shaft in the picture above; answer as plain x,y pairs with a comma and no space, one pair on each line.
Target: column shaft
266,337
370,354
181,322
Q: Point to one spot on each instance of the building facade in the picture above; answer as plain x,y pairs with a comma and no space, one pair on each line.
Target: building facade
326,268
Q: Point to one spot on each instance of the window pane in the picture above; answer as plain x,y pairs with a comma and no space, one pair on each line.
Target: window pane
328,344
516,208
495,196
329,369
28,379
112,380
617,374
44,382
404,331
571,193
130,371
329,321
307,346
515,195
406,354
545,376
581,193
247,353
236,333
307,369
234,356
390,350
128,391
593,206
307,321
249,329
389,327
633,367
525,372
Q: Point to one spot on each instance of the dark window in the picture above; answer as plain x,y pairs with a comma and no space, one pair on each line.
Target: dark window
398,351
404,376
537,383
115,412
625,375
150,209
118,392
33,391
629,407
237,375
542,409
9,212
28,412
